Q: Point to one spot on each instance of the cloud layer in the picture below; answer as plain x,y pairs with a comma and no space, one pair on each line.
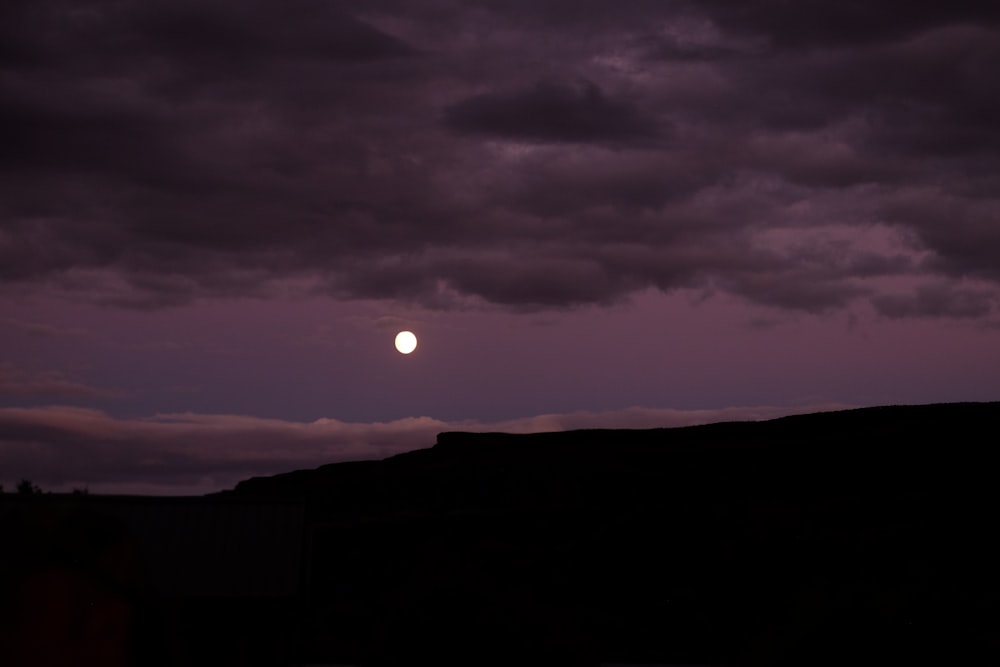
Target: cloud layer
62,448
521,154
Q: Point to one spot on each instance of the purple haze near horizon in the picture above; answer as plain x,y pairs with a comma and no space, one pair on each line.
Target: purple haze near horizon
215,216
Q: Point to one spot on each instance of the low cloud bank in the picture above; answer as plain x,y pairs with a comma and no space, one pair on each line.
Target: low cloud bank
63,448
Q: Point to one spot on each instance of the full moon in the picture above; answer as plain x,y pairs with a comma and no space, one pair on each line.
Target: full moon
406,342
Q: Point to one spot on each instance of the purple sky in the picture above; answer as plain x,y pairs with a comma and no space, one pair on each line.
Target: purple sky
216,215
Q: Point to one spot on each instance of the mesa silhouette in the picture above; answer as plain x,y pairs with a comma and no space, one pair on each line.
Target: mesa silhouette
860,536
852,535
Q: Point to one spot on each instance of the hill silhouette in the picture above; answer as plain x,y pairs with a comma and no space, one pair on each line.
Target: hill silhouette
853,537
861,535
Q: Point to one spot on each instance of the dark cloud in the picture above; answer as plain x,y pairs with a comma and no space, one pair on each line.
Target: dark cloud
223,34
824,23
75,135
555,112
535,281
238,34
519,154
962,232
937,300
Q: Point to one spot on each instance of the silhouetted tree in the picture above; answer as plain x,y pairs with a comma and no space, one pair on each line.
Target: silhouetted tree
26,488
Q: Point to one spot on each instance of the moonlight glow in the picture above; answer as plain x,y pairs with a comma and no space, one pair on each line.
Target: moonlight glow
406,342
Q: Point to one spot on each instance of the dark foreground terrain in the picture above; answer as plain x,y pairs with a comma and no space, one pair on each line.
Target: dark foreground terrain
864,536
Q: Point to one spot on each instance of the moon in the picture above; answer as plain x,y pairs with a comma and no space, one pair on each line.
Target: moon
406,342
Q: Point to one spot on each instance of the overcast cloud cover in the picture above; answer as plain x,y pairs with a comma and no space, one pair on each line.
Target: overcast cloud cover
176,175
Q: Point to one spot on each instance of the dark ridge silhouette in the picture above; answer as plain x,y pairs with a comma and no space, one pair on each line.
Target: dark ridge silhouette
861,536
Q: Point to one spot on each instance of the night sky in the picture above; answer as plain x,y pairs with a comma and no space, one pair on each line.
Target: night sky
215,215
